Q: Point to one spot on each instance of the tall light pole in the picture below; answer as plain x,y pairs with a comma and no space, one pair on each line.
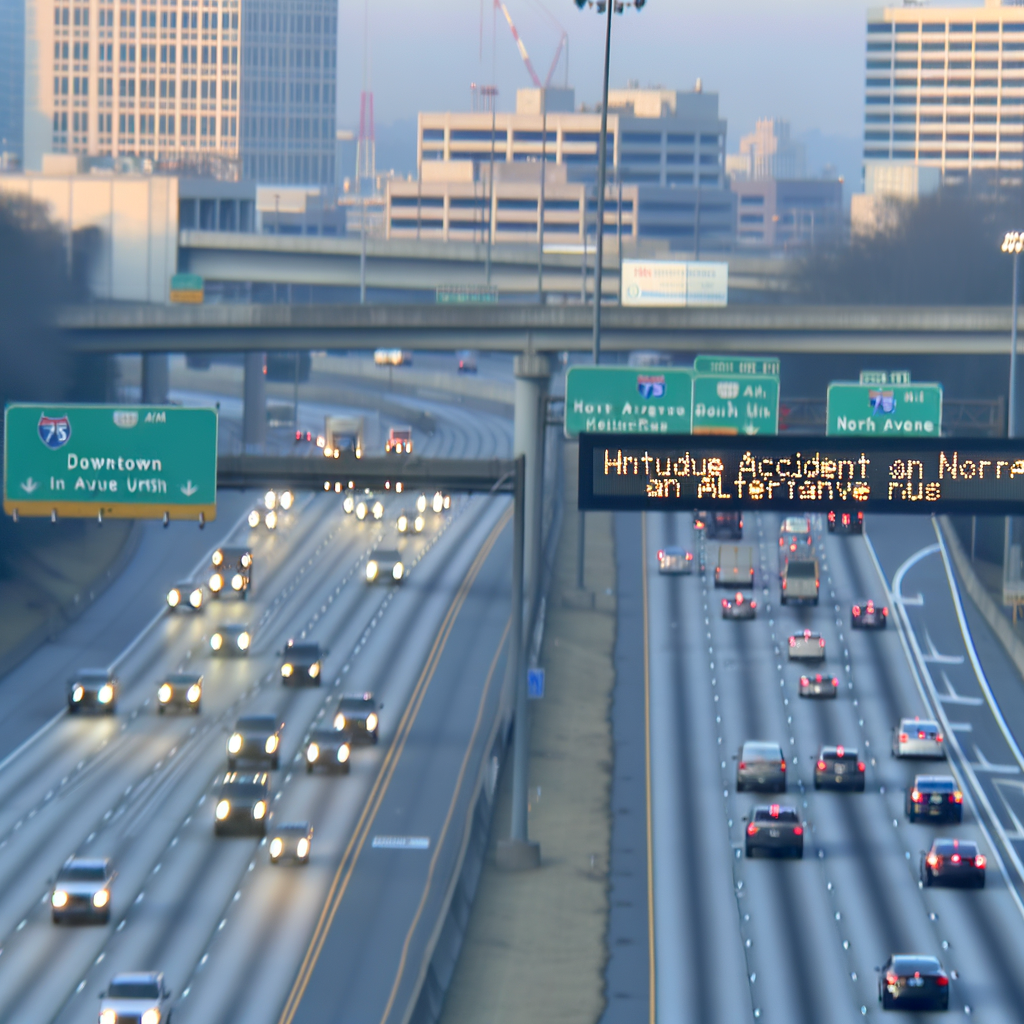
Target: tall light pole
1013,243
605,7
492,92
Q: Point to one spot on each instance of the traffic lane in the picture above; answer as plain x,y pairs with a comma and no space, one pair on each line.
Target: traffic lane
388,900
698,950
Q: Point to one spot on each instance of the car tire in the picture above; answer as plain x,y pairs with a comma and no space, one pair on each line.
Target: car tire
781,788
275,763
72,708
56,918
944,1004
231,764
980,883
161,709
374,738
112,710
798,852
887,1002
309,768
817,784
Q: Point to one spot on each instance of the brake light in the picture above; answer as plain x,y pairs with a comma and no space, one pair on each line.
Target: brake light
957,797
804,681
725,603
807,634
782,765
885,612
856,610
979,861
840,751
298,435
743,765
781,542
831,517
753,604
821,641
860,766
915,796
817,583
891,979
938,737
846,517
921,735
798,831
835,681
751,829
955,859
783,584
774,810
792,641
661,555
904,737
942,981
822,766
933,860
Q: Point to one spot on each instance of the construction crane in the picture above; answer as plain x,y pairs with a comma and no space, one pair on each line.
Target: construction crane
521,46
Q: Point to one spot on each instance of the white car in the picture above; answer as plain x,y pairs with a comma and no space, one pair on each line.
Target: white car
140,996
917,737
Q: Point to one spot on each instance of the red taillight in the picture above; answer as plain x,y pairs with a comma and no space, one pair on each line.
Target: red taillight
725,603
840,751
822,766
774,810
955,859
817,583
957,797
861,766
921,736
743,765
783,584
751,829
856,610
885,612
938,738
821,641
792,641
904,737
979,861
942,981
804,681
915,797
798,831
831,517
782,765
933,860
298,435
891,979
661,555
753,604
781,542
835,682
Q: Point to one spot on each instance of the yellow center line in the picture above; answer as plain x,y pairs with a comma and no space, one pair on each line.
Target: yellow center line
346,867
447,821
652,1014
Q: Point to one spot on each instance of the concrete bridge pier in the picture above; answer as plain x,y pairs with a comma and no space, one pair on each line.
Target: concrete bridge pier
155,378
254,403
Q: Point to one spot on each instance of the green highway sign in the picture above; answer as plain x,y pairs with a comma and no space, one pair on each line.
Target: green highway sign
733,403
113,461
877,377
757,366
627,400
909,410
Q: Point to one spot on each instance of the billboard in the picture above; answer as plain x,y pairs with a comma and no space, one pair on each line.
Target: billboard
674,283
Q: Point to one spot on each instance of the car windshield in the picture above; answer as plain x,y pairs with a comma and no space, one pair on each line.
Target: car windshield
327,735
243,790
761,752
934,784
916,965
802,570
355,704
947,847
301,651
82,872
386,556
183,680
92,676
257,723
785,814
134,989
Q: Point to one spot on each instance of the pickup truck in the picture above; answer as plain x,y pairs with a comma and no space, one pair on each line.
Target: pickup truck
735,566
800,580
399,441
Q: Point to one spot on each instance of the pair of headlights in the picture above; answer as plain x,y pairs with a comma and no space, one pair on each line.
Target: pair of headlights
371,721
166,692
373,570
59,900
104,695
217,582
195,598
270,519
242,641
259,809
313,753
236,741
277,847
288,670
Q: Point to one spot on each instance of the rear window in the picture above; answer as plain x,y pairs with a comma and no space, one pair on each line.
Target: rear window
947,847
787,814
934,785
83,873
915,965
928,728
761,752
134,990
243,790
802,570
833,754
794,524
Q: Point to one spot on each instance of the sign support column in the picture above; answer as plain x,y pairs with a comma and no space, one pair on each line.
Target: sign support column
155,378
254,404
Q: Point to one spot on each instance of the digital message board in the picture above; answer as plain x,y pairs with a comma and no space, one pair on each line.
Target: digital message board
802,474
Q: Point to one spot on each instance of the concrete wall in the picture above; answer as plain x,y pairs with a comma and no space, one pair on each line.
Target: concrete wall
137,219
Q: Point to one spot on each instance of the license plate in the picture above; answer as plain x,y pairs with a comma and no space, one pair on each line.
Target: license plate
935,798
839,778
774,833
915,982
840,769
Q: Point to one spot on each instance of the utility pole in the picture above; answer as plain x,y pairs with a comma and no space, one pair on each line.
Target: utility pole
540,206
602,167
492,91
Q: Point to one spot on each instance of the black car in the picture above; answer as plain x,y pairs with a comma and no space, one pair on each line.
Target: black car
953,862
819,685
385,566
360,714
329,749
845,522
242,805
869,615
839,767
182,691
700,519
256,740
775,830
81,890
231,641
231,572
301,664
725,524
935,798
290,841
739,607
93,689
911,982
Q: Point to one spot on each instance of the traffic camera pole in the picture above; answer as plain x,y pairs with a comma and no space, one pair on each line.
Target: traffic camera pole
602,171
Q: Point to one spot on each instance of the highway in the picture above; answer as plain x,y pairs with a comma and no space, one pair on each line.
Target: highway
230,930
799,940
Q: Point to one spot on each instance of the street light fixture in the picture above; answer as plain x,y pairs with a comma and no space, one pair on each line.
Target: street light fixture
605,7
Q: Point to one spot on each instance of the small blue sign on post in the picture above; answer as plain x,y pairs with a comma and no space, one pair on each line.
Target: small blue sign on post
535,683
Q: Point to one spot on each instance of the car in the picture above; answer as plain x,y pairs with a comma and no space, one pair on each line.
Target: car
761,766
386,566
182,691
700,519
242,804
845,522
735,566
290,841
935,798
918,738
675,562
141,997
953,862
725,524
738,607
231,641
81,890
800,580
187,596
839,767
369,507
869,615
329,748
399,441
302,663
807,646
360,714
819,685
93,689
407,522
232,572
466,361
909,981
256,739
441,502
775,830
798,527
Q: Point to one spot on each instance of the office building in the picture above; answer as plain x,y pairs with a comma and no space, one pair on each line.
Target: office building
170,81
789,213
665,149
12,80
767,152
944,88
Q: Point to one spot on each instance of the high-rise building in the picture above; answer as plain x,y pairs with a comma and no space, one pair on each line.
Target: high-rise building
12,78
172,80
944,88
767,152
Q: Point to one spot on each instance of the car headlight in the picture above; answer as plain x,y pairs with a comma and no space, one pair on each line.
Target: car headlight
100,898
223,809
343,752
371,570
438,503
271,520
286,500
243,641
287,669
108,1016
302,847
361,511
339,721
276,847
151,1016
259,809
216,582
59,898
237,581
378,510
312,752
77,694
271,745
106,694
421,503
398,571
173,598
216,642
165,693
196,598
314,670
419,524
254,518
218,557
246,560
371,722
270,500
403,524
348,504
235,743
195,691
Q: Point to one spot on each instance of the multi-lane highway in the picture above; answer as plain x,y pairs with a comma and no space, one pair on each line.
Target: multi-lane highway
230,930
800,940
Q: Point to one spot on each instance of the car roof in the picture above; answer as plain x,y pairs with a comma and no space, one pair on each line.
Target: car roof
230,552
761,747
258,722
775,812
326,732
185,677
673,549
968,847
356,701
232,627
293,826
386,553
86,862
934,782
916,961
795,524
245,779
93,673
